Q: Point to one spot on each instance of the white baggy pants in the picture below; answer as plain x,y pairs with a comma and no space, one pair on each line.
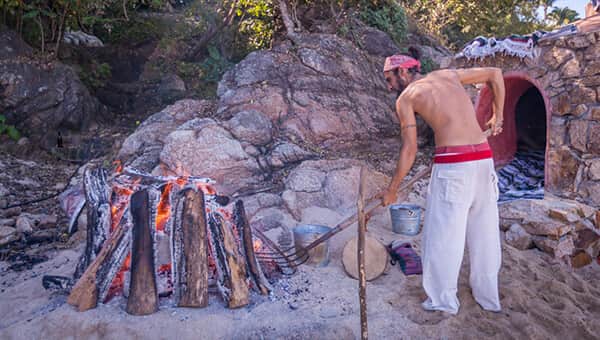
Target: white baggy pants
461,204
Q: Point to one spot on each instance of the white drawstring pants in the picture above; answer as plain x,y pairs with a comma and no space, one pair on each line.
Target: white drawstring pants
461,205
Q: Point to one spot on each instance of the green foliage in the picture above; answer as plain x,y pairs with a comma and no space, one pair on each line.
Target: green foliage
458,21
562,16
8,130
95,75
388,17
256,23
428,65
43,21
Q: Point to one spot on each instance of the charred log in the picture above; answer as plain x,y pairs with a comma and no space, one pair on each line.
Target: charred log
231,270
143,296
253,268
97,194
190,259
84,294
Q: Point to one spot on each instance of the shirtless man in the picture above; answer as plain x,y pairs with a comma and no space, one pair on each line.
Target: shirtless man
463,191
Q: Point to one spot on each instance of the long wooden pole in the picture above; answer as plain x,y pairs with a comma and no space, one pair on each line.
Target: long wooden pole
362,281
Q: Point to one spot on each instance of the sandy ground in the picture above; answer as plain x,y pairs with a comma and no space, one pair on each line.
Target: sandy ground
541,299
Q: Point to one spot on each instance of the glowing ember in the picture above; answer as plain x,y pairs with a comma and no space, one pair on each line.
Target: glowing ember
118,166
206,188
181,181
164,208
257,244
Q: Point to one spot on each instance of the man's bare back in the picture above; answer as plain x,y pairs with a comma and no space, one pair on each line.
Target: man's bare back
441,100
444,104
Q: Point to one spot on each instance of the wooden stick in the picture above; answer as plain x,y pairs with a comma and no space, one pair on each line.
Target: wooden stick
143,295
362,282
192,273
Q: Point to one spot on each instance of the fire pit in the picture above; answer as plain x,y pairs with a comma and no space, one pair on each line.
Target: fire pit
154,236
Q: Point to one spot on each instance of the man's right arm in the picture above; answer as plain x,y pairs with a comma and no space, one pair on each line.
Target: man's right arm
492,76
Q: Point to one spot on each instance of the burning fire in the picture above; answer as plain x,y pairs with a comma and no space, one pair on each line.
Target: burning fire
257,244
118,166
164,208
121,197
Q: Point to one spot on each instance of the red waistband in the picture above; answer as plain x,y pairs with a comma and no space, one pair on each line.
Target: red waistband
463,157
460,149
462,153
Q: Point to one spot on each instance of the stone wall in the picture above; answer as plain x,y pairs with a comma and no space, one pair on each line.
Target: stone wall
567,74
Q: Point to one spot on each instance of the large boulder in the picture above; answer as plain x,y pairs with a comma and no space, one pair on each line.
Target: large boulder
141,150
322,91
42,98
203,147
328,184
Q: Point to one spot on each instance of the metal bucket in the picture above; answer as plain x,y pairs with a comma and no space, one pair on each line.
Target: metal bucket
304,235
406,219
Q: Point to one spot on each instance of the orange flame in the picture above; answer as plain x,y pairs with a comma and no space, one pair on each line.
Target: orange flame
257,244
181,181
164,208
206,188
118,166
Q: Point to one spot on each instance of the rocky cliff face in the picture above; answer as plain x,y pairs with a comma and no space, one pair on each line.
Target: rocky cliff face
42,98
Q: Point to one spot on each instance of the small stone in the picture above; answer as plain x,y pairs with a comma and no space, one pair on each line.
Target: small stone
578,41
7,222
252,150
558,249
580,109
586,238
328,312
24,224
571,69
592,68
596,113
581,259
594,143
15,211
594,170
23,141
585,211
8,235
563,216
517,237
578,131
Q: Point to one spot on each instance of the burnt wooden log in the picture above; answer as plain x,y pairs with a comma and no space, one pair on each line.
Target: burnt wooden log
97,194
85,293
110,267
230,265
215,242
189,246
143,295
253,268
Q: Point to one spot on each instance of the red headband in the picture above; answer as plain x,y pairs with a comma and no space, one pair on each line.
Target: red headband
402,61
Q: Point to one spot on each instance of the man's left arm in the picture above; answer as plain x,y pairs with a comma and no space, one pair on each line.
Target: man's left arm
408,152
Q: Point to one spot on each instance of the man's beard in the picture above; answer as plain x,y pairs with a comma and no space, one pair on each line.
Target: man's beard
401,87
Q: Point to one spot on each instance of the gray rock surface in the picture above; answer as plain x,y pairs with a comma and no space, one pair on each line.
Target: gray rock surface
42,98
